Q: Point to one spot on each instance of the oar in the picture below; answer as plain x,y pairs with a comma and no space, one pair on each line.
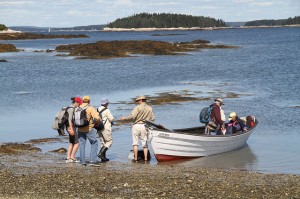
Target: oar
159,126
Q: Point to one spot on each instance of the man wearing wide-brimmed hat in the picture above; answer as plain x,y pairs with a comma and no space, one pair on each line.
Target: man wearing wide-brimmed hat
139,114
217,117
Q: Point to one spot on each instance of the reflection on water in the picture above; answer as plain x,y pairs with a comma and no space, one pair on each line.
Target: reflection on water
241,158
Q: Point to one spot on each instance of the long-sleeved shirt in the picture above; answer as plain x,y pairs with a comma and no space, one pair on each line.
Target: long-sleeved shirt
92,116
216,114
140,113
107,117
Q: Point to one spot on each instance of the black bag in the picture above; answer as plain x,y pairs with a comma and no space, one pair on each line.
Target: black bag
100,126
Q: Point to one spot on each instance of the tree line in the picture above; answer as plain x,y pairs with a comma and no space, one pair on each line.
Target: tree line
165,20
3,27
280,22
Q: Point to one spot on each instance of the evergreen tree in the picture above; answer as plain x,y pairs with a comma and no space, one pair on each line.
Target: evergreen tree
165,20
3,27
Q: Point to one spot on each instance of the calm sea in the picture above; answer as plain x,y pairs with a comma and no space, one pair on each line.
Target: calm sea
265,69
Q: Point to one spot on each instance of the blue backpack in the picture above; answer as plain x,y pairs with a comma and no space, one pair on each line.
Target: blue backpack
204,116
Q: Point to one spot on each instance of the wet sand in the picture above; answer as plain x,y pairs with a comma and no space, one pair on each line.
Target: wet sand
32,174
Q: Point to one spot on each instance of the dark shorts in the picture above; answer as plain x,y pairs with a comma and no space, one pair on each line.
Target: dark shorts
73,139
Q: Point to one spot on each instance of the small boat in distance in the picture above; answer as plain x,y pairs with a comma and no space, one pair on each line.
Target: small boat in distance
192,142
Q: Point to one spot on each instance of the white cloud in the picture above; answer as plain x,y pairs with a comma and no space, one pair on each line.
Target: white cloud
264,4
16,3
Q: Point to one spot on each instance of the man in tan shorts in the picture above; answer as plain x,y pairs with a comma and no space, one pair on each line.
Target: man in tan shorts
139,114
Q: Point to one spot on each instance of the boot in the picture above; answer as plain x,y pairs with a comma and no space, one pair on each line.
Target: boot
105,154
101,155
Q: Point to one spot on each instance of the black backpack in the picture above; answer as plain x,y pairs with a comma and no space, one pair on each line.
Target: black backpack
100,126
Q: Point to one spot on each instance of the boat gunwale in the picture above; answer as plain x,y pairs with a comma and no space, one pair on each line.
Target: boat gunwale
185,131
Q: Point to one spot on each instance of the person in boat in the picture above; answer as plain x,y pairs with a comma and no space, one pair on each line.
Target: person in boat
139,114
235,124
71,129
105,134
217,118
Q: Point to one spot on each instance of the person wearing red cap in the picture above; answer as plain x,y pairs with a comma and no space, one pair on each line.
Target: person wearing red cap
73,136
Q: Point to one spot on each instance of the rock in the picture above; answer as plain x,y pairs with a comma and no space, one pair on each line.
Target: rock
3,60
22,36
7,48
113,49
60,150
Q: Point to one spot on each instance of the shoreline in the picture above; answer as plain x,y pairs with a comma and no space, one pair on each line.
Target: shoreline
106,29
36,175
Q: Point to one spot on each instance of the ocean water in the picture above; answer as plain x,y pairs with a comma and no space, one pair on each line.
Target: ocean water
264,70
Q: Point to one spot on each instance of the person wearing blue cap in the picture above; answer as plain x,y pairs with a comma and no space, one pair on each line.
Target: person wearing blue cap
105,134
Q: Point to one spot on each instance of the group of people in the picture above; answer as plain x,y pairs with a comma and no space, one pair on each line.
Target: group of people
141,113
217,120
79,136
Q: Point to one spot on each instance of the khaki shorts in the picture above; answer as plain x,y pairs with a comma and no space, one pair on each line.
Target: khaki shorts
139,132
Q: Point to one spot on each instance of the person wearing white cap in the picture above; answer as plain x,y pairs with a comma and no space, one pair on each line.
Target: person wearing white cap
105,134
235,124
139,114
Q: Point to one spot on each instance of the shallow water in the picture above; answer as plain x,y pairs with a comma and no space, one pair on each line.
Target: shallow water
266,69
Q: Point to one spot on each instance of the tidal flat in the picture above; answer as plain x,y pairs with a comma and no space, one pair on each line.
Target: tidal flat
32,174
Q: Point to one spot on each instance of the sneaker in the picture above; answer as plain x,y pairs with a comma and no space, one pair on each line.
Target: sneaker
68,161
73,160
94,164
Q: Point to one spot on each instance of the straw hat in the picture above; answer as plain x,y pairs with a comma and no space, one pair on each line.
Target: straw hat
141,97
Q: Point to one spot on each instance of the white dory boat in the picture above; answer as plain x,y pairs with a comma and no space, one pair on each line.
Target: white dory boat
192,142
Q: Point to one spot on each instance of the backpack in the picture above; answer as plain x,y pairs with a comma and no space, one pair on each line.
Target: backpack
100,126
204,116
80,119
61,118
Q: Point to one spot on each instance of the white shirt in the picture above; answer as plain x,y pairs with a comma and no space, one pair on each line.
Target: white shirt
107,118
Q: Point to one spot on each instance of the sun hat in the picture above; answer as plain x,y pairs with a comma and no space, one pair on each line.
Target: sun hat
87,98
141,97
78,99
220,100
104,101
233,114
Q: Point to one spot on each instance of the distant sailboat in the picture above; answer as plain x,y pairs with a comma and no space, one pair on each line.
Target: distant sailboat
49,30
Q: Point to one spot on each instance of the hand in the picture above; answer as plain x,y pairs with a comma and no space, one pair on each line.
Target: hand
70,131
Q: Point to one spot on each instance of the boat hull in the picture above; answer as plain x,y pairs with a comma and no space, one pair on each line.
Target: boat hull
169,146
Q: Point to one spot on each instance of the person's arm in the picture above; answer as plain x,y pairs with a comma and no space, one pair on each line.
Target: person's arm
70,129
152,118
133,114
109,116
243,125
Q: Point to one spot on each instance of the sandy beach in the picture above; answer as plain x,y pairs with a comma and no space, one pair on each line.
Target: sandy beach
31,174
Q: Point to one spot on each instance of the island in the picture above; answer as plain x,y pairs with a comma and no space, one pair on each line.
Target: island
23,36
114,49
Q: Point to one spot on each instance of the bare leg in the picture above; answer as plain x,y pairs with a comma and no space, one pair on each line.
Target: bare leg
74,150
146,154
70,150
135,151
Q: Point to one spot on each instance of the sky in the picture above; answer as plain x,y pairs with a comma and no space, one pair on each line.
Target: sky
70,13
